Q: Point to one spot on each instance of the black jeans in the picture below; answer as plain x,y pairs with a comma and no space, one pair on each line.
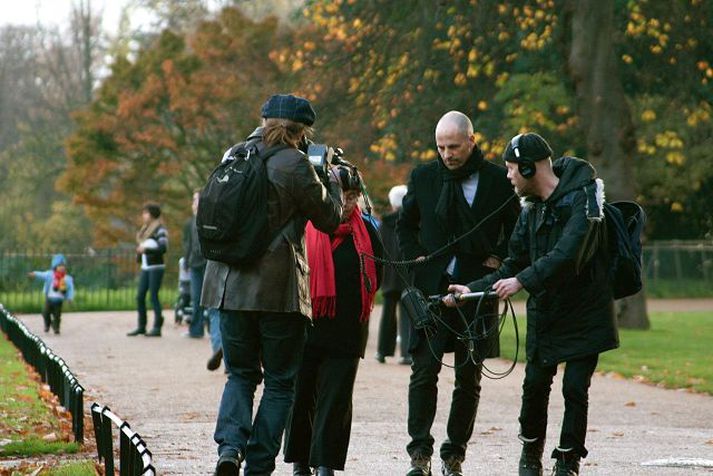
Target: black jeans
52,314
319,426
575,389
255,343
423,392
387,327
149,281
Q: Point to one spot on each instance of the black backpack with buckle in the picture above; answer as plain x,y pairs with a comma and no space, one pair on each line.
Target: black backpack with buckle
232,219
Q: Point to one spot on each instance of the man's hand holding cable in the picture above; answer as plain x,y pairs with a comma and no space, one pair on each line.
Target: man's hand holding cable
505,288
455,290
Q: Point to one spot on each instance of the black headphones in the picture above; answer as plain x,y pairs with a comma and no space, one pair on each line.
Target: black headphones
525,165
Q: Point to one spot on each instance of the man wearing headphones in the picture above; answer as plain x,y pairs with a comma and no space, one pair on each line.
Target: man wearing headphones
446,199
558,253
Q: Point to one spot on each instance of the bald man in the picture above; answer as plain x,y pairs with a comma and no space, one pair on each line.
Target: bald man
447,198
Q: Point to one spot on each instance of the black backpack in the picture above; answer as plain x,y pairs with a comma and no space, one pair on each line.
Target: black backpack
232,210
625,223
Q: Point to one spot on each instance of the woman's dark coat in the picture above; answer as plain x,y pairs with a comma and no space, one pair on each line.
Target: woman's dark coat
345,335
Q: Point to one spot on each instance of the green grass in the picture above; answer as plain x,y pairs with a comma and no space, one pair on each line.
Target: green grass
79,468
25,419
85,300
674,353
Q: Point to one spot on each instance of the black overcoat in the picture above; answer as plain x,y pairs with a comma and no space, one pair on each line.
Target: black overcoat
420,232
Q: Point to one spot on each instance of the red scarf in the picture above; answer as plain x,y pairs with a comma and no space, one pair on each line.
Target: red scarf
321,264
58,281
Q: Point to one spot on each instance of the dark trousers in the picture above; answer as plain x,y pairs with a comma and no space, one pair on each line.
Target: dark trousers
387,327
575,389
197,326
257,344
320,423
423,392
149,281
52,314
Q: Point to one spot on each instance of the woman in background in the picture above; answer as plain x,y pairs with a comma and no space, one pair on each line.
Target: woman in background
152,243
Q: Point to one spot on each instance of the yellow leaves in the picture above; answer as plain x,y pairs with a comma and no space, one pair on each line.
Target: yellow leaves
676,207
357,23
472,55
297,64
627,59
648,115
675,158
482,105
473,71
656,49
460,79
309,46
700,114
644,148
668,139
503,36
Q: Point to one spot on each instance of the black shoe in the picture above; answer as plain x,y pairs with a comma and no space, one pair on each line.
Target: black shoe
566,464
47,328
155,332
420,466
136,332
56,331
324,471
452,466
531,457
380,358
228,465
301,469
215,360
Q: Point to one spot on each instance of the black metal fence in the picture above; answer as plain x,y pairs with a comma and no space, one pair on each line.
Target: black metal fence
52,369
134,456
104,279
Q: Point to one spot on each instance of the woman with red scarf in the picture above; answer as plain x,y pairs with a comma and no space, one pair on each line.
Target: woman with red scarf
342,287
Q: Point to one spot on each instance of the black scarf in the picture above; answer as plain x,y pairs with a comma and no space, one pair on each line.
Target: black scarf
452,209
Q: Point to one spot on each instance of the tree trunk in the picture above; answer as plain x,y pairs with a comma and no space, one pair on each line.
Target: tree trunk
605,116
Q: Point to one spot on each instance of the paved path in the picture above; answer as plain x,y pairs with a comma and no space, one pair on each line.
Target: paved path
161,387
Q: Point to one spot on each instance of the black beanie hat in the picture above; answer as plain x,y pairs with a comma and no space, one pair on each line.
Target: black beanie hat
530,146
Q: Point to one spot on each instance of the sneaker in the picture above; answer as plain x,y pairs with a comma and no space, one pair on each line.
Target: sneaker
420,465
452,466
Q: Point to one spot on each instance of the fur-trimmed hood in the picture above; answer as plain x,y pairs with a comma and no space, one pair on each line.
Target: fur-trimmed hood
575,173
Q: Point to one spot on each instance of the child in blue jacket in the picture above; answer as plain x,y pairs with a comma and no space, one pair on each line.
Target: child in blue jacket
58,287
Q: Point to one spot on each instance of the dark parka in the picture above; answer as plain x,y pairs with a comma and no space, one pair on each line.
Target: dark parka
279,281
558,253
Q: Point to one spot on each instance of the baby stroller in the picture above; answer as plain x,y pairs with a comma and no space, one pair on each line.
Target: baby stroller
183,309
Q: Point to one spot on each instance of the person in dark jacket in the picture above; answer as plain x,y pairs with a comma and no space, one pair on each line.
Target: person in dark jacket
152,243
447,198
265,306
342,286
558,253
194,261
395,280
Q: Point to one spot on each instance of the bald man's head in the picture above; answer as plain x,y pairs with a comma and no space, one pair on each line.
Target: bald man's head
454,138
455,120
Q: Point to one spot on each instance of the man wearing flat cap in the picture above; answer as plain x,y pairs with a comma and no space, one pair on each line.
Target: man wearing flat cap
558,253
265,306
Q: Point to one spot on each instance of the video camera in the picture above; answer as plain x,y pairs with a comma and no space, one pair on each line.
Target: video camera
322,157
